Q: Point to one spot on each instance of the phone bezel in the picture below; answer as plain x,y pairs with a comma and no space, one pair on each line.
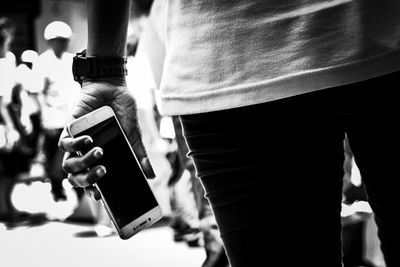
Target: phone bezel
89,120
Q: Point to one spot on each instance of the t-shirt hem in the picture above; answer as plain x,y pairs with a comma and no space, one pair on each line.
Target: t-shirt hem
282,87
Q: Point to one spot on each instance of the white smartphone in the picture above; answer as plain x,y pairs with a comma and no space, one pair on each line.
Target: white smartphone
125,191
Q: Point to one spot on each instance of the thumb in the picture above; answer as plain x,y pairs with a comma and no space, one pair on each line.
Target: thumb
147,168
141,154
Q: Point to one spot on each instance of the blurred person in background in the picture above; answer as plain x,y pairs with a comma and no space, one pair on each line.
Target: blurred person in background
10,161
142,85
57,92
266,92
25,115
25,108
7,82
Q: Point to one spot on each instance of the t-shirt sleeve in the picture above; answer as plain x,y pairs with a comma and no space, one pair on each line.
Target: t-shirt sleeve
7,79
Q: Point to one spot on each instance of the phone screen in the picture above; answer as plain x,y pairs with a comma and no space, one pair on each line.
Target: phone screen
124,187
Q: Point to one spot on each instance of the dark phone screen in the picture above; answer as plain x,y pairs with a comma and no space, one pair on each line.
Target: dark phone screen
124,187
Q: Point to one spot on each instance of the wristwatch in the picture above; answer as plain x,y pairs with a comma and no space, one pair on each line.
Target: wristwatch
92,66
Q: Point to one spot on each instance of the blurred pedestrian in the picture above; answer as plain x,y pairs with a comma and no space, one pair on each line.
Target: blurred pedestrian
266,92
25,110
10,161
57,93
142,85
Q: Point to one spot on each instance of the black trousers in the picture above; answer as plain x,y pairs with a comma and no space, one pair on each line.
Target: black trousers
273,172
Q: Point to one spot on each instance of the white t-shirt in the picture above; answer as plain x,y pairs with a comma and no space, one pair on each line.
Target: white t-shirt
7,78
224,54
62,92
26,77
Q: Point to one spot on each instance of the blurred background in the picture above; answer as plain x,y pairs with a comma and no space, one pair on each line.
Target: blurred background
43,220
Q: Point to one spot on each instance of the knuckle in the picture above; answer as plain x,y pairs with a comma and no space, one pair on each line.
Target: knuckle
92,177
65,166
81,182
81,165
71,181
64,144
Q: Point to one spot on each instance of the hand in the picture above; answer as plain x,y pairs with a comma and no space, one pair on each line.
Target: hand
94,94
8,138
12,137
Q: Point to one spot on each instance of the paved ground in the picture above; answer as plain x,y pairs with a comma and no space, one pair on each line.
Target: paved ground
57,244
66,244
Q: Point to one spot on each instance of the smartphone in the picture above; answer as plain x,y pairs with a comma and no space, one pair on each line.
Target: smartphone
125,192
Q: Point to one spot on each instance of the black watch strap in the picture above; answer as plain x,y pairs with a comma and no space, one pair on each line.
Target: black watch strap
92,67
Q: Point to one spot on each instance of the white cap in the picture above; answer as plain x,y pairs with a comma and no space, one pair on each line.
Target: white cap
29,56
57,29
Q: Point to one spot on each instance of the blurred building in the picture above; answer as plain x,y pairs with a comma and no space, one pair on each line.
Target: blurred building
32,16
23,13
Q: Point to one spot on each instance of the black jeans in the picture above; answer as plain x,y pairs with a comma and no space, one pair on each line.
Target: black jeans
203,206
273,172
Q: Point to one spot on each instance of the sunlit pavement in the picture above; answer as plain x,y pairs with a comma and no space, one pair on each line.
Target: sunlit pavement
57,244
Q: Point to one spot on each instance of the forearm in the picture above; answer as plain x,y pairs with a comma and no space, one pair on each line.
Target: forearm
107,27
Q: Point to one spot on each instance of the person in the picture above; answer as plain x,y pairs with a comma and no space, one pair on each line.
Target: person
266,92
142,86
57,91
25,111
15,152
7,82
8,134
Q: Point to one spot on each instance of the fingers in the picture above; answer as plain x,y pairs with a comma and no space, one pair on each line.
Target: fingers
69,144
87,179
78,167
92,192
141,154
147,168
79,164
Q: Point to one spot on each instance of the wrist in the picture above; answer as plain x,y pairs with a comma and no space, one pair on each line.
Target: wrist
113,80
109,69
